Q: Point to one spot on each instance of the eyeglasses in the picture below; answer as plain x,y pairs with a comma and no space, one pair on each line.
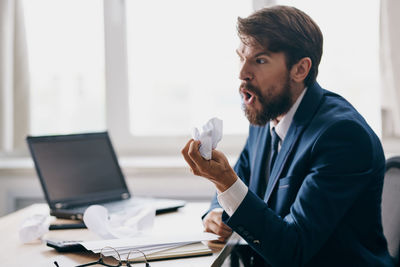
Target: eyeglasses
110,257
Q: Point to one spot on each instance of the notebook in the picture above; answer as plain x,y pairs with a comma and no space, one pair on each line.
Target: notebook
79,170
185,251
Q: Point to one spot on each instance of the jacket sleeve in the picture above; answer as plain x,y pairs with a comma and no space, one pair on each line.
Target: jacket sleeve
343,162
242,169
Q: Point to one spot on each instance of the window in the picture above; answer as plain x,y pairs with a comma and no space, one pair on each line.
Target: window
168,69
171,65
350,61
182,65
66,61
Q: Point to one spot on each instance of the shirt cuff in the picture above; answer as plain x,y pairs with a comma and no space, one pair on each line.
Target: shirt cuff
231,198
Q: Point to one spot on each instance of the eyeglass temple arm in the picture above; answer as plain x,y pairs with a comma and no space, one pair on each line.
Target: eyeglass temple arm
90,263
82,265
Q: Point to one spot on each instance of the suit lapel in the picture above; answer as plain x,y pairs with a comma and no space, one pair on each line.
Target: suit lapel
257,180
302,117
287,146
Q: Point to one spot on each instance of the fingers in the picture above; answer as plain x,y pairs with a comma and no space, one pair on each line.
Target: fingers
219,157
213,224
216,216
223,235
193,158
224,227
213,227
195,155
185,153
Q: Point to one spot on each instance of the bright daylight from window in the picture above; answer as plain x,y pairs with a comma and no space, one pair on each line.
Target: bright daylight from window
350,61
66,60
183,68
182,65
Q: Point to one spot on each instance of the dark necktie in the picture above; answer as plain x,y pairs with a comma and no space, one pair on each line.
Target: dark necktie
272,156
274,149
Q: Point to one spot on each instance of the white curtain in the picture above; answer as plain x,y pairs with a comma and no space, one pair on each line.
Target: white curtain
14,78
390,67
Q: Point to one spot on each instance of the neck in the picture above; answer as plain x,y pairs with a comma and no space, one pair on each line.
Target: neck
297,89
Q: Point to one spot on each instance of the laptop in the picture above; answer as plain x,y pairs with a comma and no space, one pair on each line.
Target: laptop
79,170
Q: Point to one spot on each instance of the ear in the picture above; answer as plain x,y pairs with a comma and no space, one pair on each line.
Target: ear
301,69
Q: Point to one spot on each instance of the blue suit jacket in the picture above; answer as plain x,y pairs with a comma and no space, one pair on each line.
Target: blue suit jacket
322,205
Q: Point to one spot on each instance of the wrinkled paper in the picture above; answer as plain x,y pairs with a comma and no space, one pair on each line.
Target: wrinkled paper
127,223
34,227
209,138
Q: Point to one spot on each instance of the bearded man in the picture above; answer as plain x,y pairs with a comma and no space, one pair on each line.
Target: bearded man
306,189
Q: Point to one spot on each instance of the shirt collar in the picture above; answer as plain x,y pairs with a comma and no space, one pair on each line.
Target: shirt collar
282,127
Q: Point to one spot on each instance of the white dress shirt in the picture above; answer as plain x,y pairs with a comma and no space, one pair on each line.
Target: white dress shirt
231,198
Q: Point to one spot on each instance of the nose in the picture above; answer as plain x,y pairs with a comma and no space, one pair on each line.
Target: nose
245,73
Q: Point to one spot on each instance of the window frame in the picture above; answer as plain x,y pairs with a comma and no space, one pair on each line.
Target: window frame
117,103
117,97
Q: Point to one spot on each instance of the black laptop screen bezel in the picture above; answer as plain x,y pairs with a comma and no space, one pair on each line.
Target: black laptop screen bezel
88,199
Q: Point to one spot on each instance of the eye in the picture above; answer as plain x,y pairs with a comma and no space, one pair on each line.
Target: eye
261,61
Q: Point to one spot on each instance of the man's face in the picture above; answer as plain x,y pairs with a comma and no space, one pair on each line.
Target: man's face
265,83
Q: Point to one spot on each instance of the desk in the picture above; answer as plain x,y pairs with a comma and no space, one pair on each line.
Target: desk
13,253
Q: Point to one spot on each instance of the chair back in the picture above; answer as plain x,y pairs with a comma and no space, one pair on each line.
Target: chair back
391,207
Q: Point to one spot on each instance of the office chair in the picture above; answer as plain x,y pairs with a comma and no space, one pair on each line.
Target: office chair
391,207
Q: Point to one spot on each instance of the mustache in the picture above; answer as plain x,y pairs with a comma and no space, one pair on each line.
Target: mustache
251,88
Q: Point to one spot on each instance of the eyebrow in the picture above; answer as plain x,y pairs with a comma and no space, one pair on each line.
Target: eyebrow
263,53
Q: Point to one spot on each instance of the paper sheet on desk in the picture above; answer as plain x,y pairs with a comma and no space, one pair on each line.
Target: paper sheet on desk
148,241
123,252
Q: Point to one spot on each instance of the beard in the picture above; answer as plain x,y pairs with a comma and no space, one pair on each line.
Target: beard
272,106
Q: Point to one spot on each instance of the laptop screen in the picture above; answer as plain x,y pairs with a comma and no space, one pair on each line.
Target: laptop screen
76,169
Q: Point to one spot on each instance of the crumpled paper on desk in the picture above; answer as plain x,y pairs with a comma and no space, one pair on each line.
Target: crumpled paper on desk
34,227
127,223
209,138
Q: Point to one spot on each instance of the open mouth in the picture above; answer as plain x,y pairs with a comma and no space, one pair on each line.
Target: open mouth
248,97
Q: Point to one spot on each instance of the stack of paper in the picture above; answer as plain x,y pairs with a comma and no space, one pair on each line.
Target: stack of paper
154,247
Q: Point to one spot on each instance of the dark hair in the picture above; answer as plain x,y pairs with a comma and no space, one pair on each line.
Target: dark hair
288,30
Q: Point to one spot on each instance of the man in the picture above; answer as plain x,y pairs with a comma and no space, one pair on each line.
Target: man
306,189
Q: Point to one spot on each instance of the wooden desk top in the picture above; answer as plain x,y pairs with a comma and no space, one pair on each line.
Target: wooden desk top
14,253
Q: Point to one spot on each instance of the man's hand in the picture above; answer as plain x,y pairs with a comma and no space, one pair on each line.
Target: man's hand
213,223
217,169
